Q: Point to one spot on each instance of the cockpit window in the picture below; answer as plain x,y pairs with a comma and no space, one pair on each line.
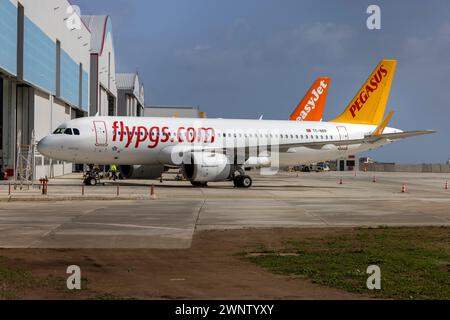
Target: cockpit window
59,131
68,131
76,132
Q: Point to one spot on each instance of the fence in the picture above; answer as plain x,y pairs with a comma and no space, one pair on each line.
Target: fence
423,168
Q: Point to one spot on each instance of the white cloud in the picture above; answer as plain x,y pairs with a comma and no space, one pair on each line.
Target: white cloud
202,47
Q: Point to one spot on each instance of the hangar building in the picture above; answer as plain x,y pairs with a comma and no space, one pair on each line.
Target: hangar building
103,97
44,77
173,112
131,100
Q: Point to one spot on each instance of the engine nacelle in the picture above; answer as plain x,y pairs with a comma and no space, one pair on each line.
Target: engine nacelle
208,167
142,172
258,162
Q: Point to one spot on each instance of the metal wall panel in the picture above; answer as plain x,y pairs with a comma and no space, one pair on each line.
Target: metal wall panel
8,37
70,74
39,58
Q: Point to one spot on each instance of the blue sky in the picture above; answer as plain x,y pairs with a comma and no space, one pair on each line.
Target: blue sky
242,59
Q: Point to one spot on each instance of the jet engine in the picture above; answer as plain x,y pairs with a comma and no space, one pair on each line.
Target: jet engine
208,167
142,172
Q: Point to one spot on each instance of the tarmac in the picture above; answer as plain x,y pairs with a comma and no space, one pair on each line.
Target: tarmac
125,215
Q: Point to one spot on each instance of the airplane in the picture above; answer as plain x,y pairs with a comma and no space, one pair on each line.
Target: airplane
310,108
214,150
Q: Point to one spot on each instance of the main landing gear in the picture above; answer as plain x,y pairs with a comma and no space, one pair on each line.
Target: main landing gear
242,181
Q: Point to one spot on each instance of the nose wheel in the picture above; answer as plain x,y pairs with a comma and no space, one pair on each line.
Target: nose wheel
90,182
243,181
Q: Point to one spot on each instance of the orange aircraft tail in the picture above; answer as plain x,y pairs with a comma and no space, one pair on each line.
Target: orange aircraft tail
313,104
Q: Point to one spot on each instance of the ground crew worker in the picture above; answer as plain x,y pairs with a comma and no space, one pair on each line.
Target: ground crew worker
113,171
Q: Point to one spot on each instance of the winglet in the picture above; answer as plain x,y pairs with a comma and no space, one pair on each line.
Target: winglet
379,131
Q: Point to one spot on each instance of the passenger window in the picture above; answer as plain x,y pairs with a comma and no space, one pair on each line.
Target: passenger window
76,132
68,132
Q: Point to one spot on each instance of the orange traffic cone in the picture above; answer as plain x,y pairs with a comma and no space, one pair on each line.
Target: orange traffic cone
446,185
374,179
341,181
404,188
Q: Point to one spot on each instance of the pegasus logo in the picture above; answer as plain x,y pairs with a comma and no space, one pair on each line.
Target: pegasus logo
312,102
371,86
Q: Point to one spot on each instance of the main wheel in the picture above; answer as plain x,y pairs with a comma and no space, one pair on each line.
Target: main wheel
199,184
243,182
246,182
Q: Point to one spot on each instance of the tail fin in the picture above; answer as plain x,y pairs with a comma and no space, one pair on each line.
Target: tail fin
369,105
313,104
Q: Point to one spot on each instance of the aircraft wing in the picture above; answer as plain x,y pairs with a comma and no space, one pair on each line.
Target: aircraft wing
367,139
313,145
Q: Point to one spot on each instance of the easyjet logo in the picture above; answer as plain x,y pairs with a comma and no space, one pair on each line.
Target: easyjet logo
316,93
372,86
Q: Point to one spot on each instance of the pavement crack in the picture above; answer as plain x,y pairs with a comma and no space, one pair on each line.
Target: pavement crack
53,231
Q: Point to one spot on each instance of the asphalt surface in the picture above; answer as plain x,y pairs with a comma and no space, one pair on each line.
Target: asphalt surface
134,220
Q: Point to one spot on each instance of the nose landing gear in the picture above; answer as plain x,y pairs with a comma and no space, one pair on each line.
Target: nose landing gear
91,177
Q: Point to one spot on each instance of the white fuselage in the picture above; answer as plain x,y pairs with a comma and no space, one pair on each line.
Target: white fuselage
149,141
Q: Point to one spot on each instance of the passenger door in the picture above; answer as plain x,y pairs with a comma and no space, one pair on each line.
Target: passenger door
343,134
101,134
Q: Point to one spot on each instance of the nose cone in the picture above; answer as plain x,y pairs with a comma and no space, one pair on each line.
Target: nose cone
45,147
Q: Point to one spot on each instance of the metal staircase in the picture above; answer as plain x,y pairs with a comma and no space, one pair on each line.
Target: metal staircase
24,169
